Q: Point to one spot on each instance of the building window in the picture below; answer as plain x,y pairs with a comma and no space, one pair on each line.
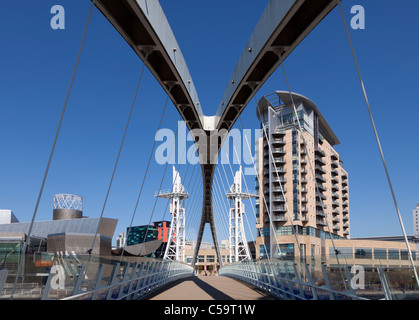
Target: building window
286,250
201,259
345,253
264,251
404,254
380,254
393,254
363,253
210,258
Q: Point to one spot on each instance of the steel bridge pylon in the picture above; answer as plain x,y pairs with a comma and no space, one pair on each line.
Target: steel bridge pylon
239,249
175,248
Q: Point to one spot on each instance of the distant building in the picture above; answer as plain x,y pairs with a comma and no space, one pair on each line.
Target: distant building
207,262
141,234
68,231
121,240
163,229
7,216
154,237
416,221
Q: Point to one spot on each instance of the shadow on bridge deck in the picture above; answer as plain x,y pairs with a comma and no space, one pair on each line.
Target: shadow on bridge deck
208,288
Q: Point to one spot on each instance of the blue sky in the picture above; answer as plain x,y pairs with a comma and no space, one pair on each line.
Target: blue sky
36,63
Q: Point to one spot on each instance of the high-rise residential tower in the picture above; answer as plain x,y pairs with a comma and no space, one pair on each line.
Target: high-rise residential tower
301,182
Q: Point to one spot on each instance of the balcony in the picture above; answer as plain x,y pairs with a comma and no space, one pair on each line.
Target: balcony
320,160
321,187
278,199
320,213
279,160
278,132
278,217
275,140
279,208
278,150
320,196
321,222
319,177
279,179
320,152
320,169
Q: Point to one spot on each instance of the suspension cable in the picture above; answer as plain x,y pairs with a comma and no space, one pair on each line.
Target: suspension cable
117,159
280,184
312,172
263,194
52,149
145,174
161,183
378,142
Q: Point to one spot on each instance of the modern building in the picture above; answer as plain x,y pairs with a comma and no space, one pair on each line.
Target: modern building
7,216
416,221
303,186
301,180
67,231
146,240
121,240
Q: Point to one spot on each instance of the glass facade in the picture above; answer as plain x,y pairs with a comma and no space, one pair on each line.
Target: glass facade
140,234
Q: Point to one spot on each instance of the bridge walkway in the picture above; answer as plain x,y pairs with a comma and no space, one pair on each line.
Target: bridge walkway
208,288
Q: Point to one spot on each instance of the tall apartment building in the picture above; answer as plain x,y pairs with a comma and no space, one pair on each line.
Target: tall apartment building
301,182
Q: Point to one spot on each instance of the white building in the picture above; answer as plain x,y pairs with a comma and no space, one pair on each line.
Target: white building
121,240
7,217
416,221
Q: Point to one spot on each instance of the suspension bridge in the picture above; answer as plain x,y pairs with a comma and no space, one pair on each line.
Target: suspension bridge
143,25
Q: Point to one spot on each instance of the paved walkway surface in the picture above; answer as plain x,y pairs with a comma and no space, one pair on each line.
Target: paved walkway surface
208,288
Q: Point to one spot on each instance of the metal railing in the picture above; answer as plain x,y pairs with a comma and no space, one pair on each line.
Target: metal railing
92,278
292,279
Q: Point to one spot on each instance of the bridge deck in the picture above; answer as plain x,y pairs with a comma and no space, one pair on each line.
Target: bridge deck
208,288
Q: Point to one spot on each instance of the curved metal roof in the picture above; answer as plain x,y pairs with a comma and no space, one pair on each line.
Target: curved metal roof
285,97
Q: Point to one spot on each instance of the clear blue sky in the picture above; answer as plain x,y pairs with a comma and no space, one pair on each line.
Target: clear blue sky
36,63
